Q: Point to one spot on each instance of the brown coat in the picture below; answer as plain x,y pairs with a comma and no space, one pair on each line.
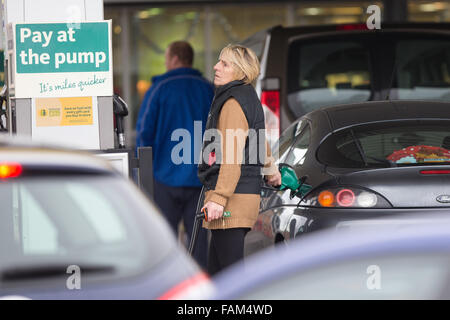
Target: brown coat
244,208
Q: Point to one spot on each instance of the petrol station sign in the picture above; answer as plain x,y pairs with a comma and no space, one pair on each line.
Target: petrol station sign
62,59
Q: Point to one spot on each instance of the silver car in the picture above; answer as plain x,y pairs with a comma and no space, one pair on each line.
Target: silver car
73,228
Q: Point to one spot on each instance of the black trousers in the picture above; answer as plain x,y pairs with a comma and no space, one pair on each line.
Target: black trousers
226,248
178,203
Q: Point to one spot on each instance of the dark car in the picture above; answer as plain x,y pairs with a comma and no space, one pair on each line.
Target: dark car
307,67
389,259
71,227
356,162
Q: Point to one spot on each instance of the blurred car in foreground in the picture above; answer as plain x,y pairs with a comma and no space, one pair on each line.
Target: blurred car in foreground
73,228
356,162
304,68
382,259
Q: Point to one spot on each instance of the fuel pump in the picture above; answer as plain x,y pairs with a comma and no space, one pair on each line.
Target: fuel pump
59,82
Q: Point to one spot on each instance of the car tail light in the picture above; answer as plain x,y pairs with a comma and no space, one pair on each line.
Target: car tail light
367,199
270,101
10,170
346,27
326,198
435,171
196,287
340,197
345,198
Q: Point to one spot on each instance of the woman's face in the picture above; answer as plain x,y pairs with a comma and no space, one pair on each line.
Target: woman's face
224,71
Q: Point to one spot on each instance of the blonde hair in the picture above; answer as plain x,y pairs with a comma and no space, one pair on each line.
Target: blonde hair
244,60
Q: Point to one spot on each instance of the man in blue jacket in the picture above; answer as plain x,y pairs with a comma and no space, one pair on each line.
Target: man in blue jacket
177,101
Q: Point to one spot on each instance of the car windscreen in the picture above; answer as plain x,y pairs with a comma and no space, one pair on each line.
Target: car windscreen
93,221
327,72
385,144
422,69
332,70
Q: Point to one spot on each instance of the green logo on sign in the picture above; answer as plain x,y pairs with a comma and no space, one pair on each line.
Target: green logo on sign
58,47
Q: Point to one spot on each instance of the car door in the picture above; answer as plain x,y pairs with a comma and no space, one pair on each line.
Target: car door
277,207
269,223
295,158
271,197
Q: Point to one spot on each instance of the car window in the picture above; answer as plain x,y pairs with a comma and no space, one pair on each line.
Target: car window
327,72
39,234
297,153
384,144
76,219
423,70
420,276
283,144
106,222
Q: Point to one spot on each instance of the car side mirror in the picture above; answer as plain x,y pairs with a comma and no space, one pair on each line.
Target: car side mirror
289,180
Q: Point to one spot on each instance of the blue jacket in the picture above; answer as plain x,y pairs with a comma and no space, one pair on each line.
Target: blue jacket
174,101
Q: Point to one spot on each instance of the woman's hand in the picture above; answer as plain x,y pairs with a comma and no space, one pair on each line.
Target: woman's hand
214,210
274,180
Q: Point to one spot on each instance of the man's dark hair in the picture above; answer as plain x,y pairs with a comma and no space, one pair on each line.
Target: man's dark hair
183,50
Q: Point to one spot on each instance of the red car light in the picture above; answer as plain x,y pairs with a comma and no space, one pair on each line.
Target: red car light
345,198
187,288
272,100
435,171
346,27
10,170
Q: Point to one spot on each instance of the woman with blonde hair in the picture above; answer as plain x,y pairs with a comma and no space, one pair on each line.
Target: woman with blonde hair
230,172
